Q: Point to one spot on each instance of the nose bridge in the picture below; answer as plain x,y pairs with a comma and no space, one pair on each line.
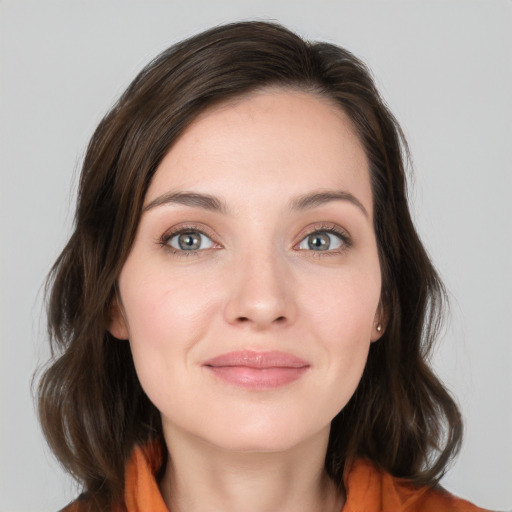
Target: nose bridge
261,291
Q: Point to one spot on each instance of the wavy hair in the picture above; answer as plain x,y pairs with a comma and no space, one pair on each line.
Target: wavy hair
91,405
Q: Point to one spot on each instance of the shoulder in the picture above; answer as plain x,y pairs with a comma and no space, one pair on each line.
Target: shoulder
75,506
81,504
141,492
371,488
78,505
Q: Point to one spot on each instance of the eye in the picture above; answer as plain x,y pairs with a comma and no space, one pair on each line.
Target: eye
322,241
189,241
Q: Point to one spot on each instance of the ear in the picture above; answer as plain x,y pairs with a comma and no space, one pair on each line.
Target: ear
380,323
117,324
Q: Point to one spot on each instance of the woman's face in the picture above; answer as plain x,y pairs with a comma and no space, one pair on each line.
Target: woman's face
251,293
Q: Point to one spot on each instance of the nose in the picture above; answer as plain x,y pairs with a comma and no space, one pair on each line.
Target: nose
261,292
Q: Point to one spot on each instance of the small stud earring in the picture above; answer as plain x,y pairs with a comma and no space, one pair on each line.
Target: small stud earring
379,327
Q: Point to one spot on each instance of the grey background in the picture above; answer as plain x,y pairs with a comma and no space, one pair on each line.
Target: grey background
445,68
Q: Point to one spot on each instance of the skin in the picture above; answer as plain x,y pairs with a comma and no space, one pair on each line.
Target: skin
256,283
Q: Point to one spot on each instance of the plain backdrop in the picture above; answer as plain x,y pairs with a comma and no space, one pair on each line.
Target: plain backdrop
445,69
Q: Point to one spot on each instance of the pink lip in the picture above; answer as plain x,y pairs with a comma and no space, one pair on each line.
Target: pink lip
257,370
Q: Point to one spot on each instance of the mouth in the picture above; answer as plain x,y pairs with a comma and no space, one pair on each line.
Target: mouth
257,370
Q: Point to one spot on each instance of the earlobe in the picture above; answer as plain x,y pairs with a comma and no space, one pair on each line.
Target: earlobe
379,323
117,325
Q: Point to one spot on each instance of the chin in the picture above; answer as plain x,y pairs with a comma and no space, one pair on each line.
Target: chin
268,437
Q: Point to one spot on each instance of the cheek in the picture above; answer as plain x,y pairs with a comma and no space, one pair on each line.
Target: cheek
158,304
166,316
343,307
342,316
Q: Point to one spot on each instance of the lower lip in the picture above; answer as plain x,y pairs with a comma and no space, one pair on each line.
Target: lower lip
258,378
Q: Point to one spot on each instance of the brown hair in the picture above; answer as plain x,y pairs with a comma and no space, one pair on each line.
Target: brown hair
91,405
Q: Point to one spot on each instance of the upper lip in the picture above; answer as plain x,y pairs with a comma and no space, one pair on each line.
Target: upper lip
255,359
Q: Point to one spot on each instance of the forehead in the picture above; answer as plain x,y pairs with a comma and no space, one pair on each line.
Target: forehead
283,138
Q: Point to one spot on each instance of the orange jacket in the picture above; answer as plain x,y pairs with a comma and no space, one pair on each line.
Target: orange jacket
369,489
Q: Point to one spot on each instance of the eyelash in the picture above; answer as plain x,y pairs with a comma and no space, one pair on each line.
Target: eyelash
333,230
164,240
166,237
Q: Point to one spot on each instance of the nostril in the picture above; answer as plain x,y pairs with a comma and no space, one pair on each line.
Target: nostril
245,319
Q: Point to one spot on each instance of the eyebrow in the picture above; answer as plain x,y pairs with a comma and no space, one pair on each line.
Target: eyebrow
315,199
192,199
212,203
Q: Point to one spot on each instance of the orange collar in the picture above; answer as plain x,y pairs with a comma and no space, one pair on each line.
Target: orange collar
369,489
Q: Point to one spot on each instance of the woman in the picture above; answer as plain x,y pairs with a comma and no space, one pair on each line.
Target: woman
244,311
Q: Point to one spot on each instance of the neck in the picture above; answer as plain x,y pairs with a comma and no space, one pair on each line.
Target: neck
201,476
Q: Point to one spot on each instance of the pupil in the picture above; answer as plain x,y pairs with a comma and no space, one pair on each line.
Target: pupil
189,241
319,242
